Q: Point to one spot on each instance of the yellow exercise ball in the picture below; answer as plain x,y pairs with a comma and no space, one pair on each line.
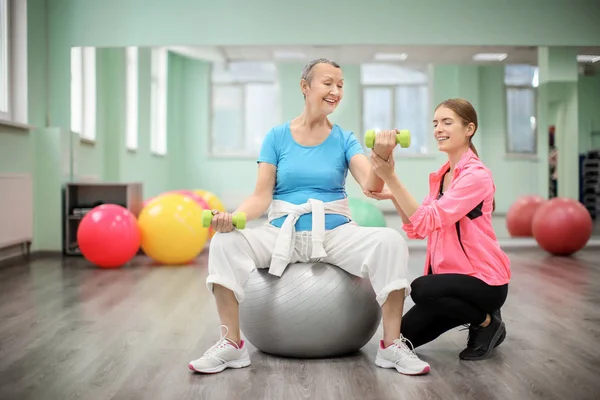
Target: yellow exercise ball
172,231
213,202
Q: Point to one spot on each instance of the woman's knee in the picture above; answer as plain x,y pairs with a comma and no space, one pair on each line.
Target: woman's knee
225,241
388,238
223,249
420,290
229,262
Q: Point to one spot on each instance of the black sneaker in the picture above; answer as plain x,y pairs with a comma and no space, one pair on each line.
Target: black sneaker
482,341
503,336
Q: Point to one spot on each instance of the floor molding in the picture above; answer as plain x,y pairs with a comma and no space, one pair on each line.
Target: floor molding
34,255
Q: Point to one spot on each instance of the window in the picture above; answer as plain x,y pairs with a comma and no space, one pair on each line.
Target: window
245,106
397,97
158,106
131,98
83,92
5,109
13,61
521,82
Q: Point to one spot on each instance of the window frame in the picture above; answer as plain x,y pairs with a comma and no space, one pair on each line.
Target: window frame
132,122
507,136
211,143
159,145
88,102
238,154
7,78
16,75
393,87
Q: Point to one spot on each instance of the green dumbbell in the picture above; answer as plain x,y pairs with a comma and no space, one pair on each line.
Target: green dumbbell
238,219
402,138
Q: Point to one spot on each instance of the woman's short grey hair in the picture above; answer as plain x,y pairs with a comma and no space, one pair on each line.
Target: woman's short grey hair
307,72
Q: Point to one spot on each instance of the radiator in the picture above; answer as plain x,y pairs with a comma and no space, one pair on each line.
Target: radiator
16,209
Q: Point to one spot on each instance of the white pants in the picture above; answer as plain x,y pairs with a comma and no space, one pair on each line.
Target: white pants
379,253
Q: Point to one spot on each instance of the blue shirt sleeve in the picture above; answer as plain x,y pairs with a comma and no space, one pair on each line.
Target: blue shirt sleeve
268,150
353,147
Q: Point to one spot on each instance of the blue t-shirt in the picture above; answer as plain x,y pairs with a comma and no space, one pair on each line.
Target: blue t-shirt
304,172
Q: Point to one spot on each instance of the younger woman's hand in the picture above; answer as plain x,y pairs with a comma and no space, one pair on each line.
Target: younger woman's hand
385,143
383,168
385,194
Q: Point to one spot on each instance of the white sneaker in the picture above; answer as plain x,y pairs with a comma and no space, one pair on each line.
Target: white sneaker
224,354
398,355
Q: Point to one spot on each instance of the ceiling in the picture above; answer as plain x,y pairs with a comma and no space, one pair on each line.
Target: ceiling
415,55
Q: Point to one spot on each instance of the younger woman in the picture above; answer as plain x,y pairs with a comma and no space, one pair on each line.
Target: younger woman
466,273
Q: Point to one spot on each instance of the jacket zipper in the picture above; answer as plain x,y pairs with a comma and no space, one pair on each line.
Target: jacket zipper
457,224
437,235
432,261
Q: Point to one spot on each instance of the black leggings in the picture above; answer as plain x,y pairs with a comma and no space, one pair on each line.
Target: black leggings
445,301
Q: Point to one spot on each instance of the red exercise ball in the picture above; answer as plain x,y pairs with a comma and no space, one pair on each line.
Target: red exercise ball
562,226
520,215
108,236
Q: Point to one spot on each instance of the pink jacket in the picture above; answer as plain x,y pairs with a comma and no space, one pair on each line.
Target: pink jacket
458,225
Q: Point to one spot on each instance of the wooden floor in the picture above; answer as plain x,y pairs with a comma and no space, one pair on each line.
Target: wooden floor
71,331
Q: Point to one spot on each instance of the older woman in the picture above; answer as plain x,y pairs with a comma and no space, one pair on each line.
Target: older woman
302,172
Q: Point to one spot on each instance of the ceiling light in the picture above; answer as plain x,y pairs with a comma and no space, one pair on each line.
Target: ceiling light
489,56
588,58
391,56
289,55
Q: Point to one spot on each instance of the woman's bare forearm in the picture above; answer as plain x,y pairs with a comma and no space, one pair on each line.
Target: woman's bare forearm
401,212
374,182
255,206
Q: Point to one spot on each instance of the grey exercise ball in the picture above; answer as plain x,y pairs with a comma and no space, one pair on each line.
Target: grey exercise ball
314,310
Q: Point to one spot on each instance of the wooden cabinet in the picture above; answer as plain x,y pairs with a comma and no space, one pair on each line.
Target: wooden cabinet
80,198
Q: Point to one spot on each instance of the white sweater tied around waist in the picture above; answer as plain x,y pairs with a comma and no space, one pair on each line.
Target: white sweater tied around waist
282,252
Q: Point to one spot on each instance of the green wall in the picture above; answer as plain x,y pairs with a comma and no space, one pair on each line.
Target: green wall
15,155
201,22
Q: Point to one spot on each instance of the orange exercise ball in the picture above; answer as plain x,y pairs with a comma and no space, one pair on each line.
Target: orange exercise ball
562,226
519,218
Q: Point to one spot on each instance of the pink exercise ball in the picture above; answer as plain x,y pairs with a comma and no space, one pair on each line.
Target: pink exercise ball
108,236
562,226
